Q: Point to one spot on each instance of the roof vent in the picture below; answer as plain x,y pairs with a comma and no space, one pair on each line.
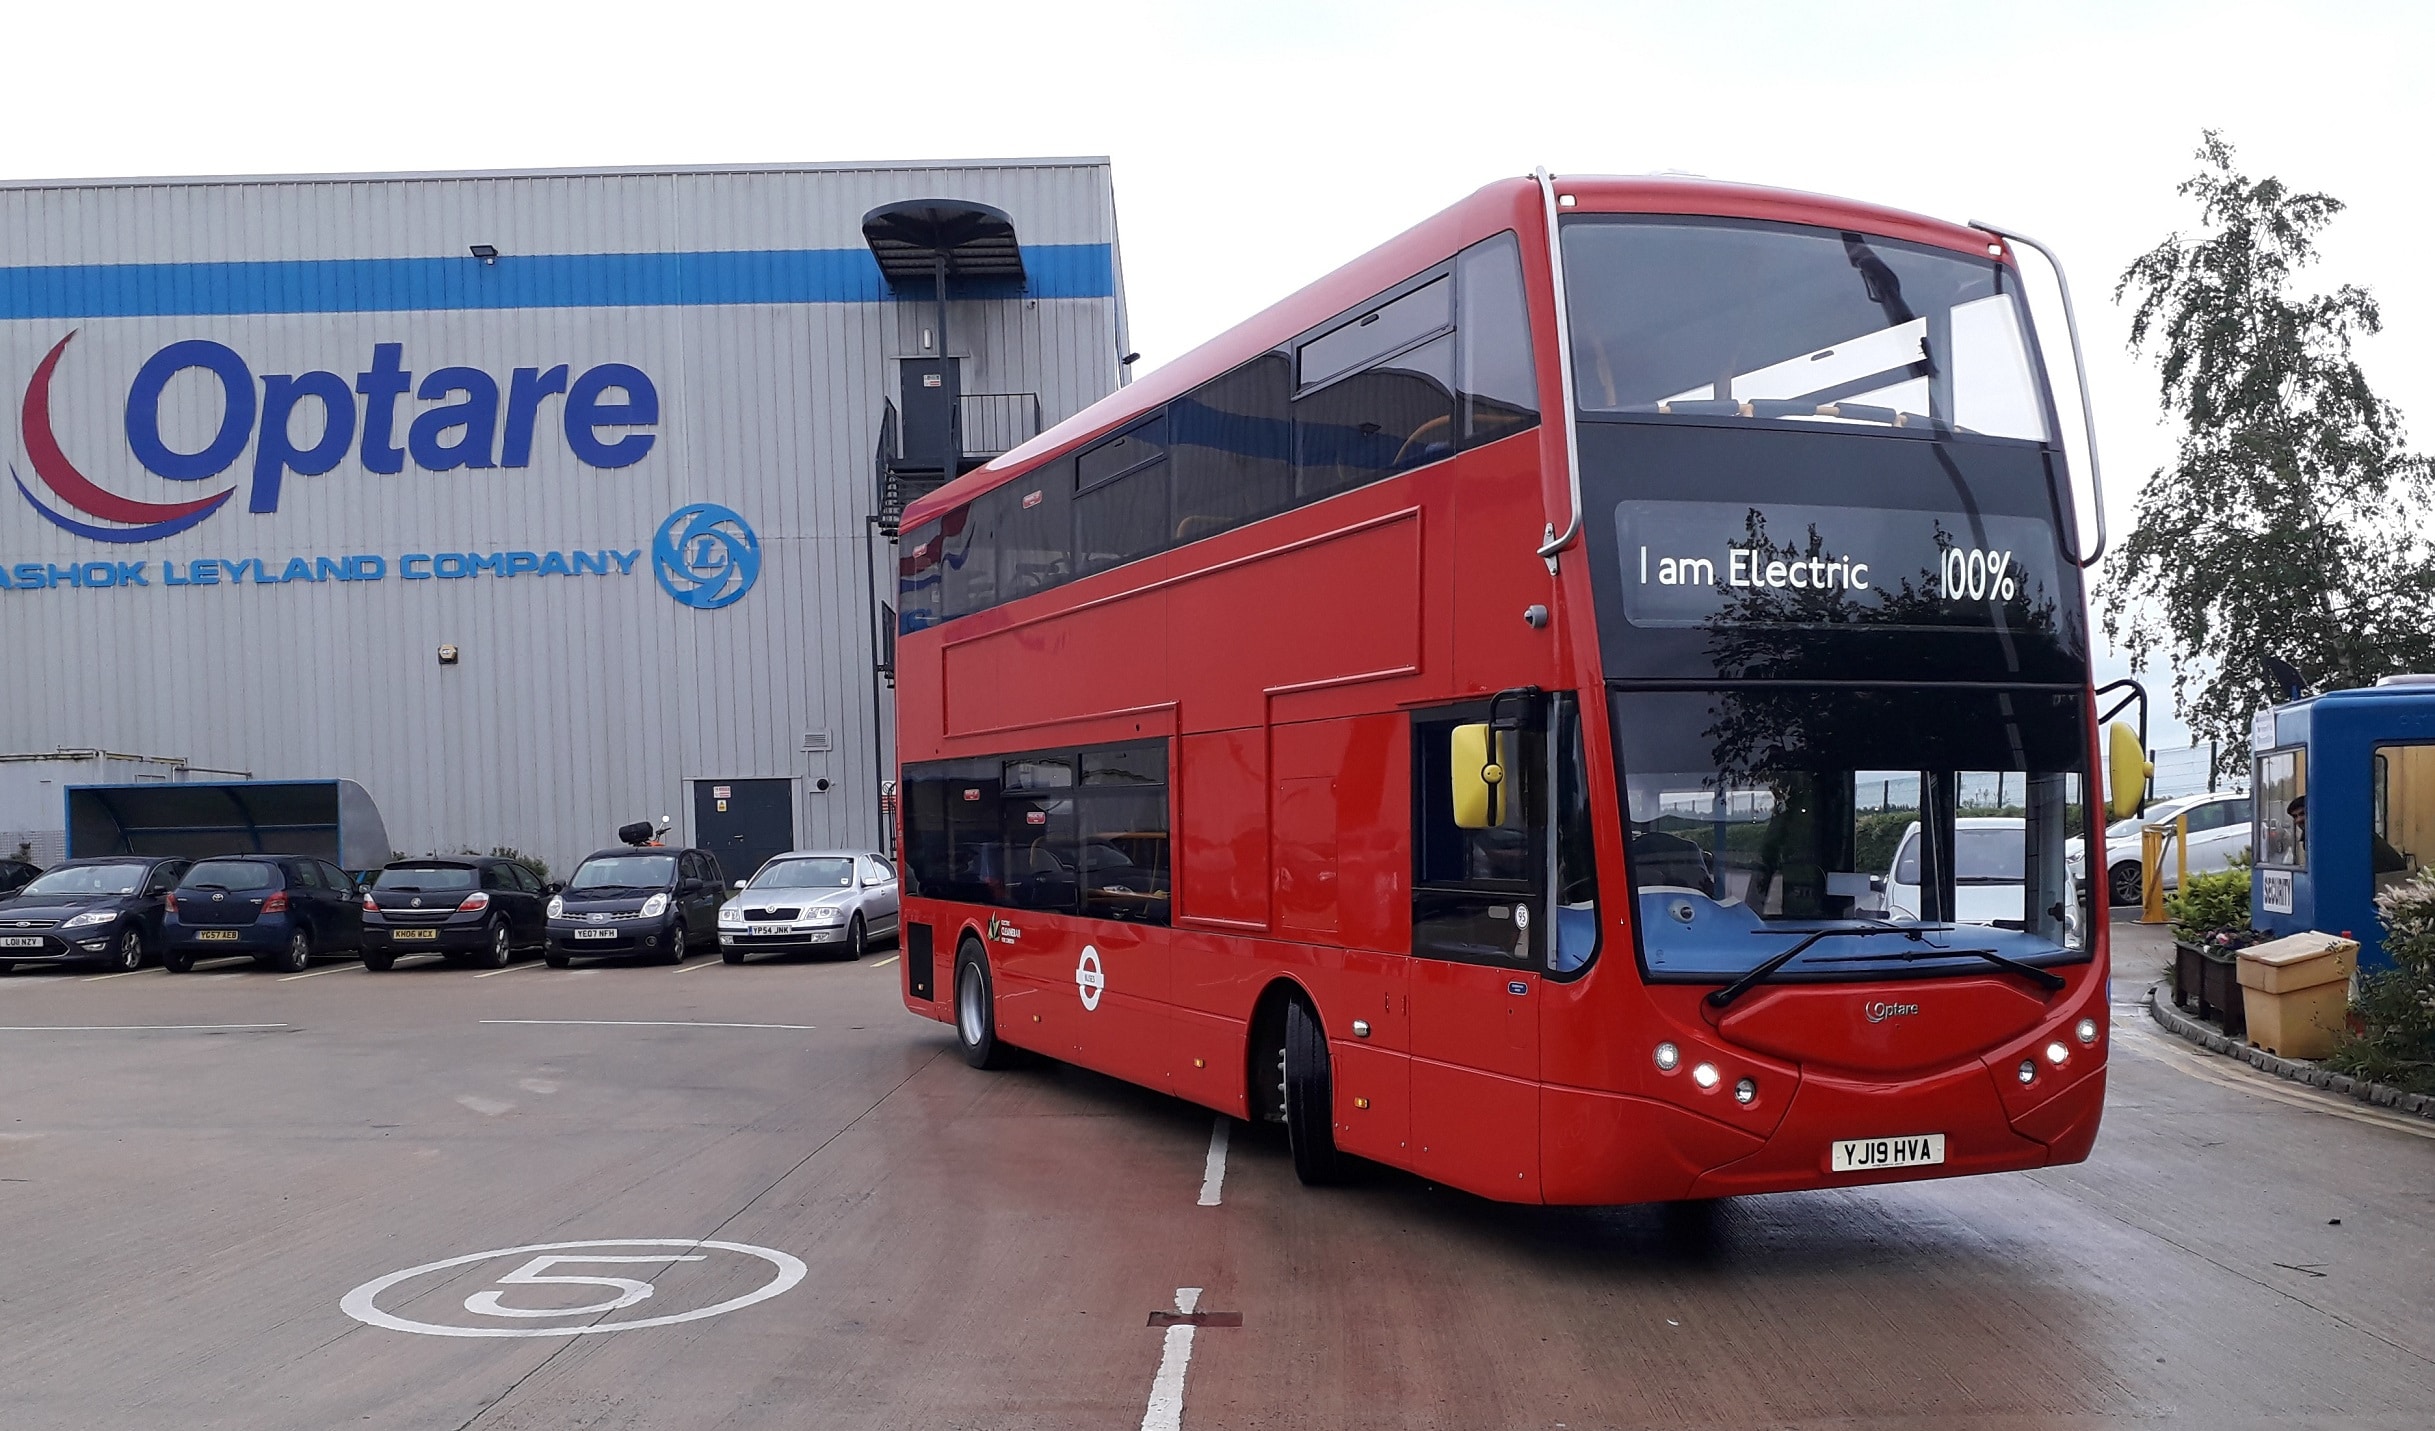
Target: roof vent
911,240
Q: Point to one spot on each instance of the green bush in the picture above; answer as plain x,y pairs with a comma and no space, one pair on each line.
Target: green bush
2396,1006
2209,904
539,866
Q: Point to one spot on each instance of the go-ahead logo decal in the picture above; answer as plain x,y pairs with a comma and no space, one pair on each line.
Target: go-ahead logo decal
146,521
706,556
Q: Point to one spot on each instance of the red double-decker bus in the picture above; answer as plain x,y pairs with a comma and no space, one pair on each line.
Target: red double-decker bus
1587,703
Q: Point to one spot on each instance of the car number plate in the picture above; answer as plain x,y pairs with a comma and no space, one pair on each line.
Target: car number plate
20,941
1872,1155
414,934
216,934
767,928
596,934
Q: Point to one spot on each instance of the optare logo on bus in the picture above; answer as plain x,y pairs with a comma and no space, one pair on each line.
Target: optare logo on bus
464,418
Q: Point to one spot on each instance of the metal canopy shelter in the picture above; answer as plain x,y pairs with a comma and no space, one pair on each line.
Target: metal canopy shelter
334,820
942,238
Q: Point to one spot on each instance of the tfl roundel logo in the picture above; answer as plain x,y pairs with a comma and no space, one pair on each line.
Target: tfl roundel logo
706,556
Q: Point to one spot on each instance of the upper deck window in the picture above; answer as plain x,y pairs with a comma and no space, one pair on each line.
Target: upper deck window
1734,320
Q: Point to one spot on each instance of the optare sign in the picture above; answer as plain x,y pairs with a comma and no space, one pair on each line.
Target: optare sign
446,419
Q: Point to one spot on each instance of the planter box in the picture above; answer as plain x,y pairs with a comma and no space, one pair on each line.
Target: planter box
2210,978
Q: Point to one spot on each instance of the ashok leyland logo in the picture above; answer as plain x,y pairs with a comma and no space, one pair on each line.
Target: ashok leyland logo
706,556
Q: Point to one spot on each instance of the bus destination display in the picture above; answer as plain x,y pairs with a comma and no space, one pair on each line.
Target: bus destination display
1690,564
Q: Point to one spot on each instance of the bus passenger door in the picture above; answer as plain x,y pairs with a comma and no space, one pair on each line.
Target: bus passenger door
1477,925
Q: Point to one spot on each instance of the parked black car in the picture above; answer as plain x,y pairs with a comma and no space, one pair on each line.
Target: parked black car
472,908
102,911
637,899
16,875
282,909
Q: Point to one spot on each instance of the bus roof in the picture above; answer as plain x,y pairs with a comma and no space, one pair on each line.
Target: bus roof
1504,204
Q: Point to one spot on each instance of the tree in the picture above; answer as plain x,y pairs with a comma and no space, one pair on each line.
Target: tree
2292,521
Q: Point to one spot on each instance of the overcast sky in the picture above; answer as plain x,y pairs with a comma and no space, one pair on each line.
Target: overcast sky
1259,144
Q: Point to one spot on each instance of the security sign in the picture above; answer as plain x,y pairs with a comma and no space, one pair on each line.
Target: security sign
1089,977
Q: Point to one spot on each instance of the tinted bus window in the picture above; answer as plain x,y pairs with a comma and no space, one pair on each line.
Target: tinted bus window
1019,832
1395,416
1425,310
1495,378
1120,498
968,555
1231,452
917,579
1036,533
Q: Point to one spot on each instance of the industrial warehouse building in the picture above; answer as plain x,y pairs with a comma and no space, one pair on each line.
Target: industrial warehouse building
534,503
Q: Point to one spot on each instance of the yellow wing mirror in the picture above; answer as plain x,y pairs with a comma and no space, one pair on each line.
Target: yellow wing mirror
1479,776
2127,769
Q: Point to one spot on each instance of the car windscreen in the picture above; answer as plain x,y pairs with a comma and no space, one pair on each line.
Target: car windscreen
233,874
806,874
86,880
623,872
425,879
1979,857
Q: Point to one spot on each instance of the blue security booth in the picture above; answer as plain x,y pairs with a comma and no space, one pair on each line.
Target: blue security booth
2362,763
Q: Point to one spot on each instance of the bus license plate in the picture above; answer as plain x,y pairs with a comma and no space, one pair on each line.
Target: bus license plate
414,934
1875,1155
596,934
20,941
216,934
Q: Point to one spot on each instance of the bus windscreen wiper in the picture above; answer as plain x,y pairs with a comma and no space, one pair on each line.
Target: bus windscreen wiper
1766,971
2046,979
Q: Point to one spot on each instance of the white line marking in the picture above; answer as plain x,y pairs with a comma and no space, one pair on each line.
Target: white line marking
510,969
487,1107
1213,1173
1166,1409
689,968
128,1028
884,963
646,1024
538,1085
317,973
121,974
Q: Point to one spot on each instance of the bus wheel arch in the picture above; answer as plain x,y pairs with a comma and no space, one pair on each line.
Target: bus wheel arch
1263,1061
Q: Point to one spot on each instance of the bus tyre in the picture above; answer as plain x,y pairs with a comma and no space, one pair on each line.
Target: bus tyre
976,1010
2123,884
1310,1102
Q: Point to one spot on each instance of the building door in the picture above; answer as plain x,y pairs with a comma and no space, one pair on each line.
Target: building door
744,822
929,396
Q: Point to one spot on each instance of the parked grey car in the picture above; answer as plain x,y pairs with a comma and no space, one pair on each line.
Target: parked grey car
811,899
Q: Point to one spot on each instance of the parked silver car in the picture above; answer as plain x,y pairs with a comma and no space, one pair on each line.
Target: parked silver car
811,899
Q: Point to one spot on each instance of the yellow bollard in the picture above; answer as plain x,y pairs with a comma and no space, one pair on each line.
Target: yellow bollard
2181,852
2151,875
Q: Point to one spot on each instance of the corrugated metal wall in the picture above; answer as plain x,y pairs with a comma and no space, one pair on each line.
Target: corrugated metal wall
578,702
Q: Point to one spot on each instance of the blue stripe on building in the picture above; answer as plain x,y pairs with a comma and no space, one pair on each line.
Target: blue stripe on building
553,280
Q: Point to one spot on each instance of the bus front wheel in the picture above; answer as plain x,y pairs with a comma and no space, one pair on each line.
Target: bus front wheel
976,1010
1310,1104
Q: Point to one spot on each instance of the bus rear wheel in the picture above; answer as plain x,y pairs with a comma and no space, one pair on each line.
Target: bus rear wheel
1310,1101
976,1010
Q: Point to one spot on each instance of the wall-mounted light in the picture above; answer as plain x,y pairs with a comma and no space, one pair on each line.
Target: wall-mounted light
448,655
484,252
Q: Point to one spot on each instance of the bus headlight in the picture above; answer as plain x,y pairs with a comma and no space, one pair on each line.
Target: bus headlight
2029,1070
2087,1031
1669,1058
2056,1053
1746,1091
1706,1075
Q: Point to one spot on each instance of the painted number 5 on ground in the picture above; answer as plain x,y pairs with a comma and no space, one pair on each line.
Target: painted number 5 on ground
529,1288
